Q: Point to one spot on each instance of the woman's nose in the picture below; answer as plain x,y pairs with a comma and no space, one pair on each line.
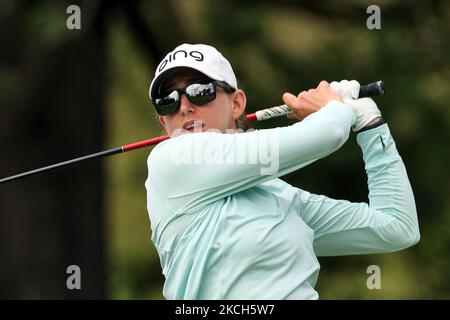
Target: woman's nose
185,105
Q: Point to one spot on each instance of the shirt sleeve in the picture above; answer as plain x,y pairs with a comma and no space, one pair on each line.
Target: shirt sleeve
195,169
388,223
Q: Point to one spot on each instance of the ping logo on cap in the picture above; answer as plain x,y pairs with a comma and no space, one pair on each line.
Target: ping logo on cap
196,55
201,57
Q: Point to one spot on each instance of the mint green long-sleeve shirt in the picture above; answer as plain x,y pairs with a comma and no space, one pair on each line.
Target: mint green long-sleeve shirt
226,227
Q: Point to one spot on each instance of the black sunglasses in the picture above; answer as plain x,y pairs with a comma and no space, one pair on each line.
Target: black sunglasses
197,93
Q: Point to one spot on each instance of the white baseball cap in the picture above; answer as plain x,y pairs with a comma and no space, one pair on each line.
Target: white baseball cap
200,57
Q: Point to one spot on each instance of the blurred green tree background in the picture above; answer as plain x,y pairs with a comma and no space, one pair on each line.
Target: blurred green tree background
274,47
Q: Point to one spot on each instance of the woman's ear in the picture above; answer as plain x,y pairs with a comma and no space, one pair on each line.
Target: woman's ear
239,103
163,123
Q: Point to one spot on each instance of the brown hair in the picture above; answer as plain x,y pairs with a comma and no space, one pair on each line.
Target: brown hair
242,122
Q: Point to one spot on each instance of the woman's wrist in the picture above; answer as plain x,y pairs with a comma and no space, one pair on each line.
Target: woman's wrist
373,122
378,121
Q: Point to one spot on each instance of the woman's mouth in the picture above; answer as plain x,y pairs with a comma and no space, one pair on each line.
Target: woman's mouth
193,126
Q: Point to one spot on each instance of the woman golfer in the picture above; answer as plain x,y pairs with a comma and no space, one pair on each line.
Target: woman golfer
224,225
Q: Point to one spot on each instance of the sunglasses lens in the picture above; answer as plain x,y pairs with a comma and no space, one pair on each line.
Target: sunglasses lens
201,93
168,104
197,93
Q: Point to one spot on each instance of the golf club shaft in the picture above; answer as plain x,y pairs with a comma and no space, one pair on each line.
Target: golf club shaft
98,155
372,89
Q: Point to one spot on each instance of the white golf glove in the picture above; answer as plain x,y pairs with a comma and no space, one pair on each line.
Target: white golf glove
365,108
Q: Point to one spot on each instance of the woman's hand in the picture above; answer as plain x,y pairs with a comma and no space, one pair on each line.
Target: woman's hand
310,101
366,109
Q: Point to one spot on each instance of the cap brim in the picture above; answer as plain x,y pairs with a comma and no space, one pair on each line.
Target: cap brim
164,75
